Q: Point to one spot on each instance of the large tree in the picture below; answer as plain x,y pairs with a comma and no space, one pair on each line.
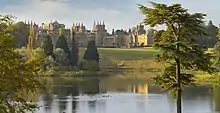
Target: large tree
48,46
74,48
62,43
91,52
178,49
216,51
212,32
31,42
17,78
20,32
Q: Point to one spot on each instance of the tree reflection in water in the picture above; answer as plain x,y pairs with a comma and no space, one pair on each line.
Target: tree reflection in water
91,95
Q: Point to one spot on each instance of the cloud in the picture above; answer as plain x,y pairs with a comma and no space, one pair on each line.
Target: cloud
66,11
55,0
116,13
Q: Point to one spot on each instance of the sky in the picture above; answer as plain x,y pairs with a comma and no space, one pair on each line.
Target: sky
117,14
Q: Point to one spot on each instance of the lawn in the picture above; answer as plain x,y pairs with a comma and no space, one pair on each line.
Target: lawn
126,57
125,54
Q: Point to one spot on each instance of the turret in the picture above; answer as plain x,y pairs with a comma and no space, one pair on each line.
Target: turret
72,31
113,31
42,25
49,27
129,30
81,24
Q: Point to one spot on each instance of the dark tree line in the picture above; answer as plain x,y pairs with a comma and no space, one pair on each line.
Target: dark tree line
210,39
91,53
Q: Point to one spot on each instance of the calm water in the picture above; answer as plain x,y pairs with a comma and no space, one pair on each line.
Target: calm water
117,95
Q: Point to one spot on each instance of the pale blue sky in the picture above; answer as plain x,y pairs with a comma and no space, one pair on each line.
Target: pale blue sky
121,14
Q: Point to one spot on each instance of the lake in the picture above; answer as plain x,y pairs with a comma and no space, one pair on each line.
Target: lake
121,95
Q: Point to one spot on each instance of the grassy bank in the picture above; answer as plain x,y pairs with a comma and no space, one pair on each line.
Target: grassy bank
136,58
116,61
131,59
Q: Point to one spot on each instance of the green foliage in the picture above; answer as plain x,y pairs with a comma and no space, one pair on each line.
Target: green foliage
61,57
50,63
212,32
216,98
74,50
216,51
23,53
181,29
178,49
48,46
20,32
38,53
167,80
91,55
218,35
31,42
91,52
62,43
17,78
90,65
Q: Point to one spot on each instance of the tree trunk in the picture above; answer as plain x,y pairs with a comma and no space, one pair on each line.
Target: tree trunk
179,89
178,78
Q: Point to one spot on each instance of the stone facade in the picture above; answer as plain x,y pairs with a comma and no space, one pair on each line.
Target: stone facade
98,33
141,37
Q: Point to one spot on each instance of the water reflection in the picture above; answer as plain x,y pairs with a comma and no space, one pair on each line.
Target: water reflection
216,98
119,95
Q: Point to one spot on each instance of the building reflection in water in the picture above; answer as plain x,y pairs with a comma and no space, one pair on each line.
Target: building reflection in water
92,106
55,106
140,88
101,106
91,99
216,98
48,99
59,98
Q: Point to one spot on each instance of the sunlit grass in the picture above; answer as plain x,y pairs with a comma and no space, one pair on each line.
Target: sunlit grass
126,54
126,57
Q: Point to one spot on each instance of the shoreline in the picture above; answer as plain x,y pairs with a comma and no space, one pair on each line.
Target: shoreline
200,78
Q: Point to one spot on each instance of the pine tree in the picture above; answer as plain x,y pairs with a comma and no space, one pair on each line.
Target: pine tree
178,48
212,32
216,51
74,49
62,43
91,52
48,46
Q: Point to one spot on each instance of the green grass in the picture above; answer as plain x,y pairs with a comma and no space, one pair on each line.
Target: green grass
125,54
125,57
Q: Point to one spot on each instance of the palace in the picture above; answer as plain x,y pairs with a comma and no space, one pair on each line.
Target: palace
137,36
